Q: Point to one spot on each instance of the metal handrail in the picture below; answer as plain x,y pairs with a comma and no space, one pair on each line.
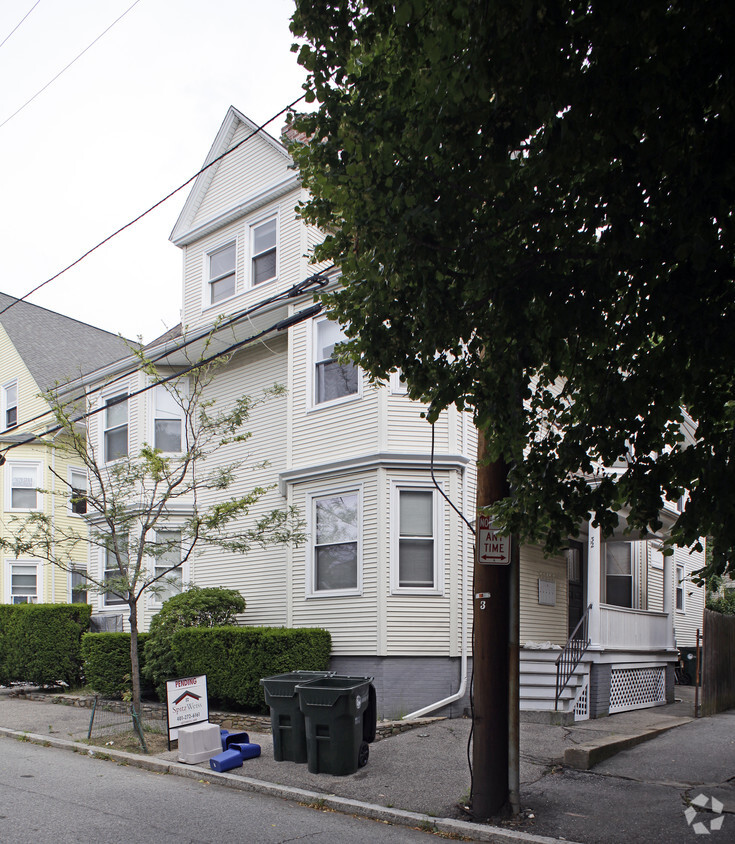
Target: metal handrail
571,655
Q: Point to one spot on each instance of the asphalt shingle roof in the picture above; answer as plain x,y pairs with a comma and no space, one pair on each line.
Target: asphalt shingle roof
56,348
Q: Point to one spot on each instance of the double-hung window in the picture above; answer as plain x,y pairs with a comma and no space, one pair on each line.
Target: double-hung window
169,555
168,421
336,536
680,580
116,428
618,574
78,587
78,491
332,380
263,249
21,486
114,579
415,540
10,405
24,582
221,277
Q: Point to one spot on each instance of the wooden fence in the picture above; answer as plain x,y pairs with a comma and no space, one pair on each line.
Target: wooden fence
718,662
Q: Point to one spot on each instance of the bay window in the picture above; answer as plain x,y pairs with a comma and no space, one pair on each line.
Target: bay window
336,536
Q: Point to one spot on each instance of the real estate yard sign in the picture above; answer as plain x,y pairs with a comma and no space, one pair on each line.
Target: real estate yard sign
186,703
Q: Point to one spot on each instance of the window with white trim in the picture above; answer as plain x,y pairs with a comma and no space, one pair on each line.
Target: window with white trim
336,536
21,487
416,545
221,273
77,492
25,582
10,405
398,386
263,249
78,583
332,380
116,428
169,544
112,571
618,574
168,420
680,580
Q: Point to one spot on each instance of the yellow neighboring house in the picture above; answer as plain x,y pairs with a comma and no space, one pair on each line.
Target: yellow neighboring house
38,350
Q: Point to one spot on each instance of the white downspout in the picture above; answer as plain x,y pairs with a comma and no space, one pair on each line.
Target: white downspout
459,694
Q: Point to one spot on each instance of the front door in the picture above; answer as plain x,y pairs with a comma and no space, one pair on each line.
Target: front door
575,584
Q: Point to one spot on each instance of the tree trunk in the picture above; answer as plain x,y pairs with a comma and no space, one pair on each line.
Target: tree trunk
134,663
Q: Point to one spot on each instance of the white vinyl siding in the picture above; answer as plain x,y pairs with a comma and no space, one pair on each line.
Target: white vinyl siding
540,622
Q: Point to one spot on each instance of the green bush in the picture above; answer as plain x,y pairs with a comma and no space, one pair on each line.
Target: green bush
724,603
236,658
41,643
207,607
107,662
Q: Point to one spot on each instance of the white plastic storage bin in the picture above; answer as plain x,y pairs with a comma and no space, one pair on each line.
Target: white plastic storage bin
199,742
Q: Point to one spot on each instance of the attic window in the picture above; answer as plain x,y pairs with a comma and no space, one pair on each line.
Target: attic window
222,273
10,404
264,251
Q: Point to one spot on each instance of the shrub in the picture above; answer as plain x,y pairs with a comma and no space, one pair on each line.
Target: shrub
236,658
207,607
107,662
41,643
724,603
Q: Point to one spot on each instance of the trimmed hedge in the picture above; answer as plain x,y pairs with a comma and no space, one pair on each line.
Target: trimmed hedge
107,663
41,643
236,658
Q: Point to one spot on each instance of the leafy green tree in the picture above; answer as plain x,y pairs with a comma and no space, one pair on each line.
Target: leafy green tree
211,606
531,205
144,510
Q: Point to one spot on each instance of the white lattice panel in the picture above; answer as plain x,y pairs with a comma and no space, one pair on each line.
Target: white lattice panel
582,703
631,688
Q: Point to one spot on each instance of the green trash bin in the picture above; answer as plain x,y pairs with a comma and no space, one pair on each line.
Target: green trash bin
334,710
287,720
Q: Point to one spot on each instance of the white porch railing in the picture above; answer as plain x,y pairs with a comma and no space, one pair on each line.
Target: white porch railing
621,627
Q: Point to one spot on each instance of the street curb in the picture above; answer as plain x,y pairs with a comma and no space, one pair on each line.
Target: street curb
398,817
586,756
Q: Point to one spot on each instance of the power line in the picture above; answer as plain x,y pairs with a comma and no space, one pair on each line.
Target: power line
315,280
281,325
19,23
64,69
154,206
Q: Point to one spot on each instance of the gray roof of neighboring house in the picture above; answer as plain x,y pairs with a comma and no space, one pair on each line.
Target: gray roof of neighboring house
56,348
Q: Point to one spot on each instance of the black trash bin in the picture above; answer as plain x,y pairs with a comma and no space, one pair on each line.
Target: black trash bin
287,720
334,710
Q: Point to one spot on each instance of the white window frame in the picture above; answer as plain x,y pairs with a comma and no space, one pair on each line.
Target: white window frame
311,500
253,255
154,411
104,429
155,600
75,470
79,570
633,576
680,577
437,514
105,603
30,465
9,578
5,406
313,362
208,279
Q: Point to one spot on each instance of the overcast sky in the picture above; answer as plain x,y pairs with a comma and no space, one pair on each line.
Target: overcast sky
130,120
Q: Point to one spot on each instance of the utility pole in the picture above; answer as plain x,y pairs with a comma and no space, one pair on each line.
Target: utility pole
495,668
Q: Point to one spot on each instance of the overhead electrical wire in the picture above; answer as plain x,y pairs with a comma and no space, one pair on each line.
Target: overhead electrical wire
317,280
153,207
18,24
281,325
64,69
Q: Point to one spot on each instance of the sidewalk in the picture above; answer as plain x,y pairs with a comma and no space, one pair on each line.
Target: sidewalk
417,777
